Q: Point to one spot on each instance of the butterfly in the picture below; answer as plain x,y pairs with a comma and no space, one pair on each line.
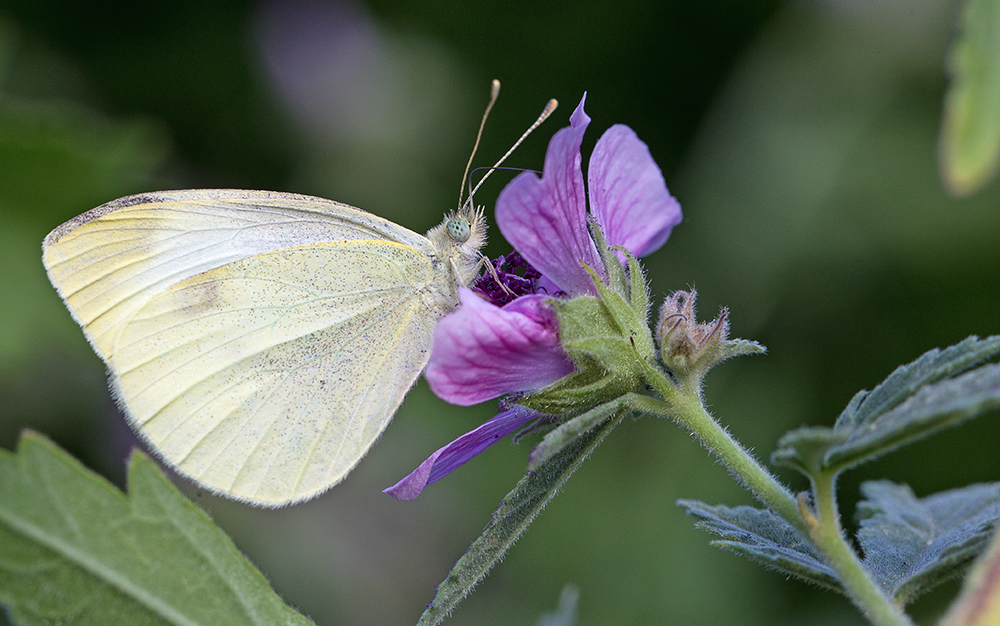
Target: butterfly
260,342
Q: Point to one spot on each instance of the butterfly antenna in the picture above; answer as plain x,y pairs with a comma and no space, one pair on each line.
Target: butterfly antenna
546,112
494,92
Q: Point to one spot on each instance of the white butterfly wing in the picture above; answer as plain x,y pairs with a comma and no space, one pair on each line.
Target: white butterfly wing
260,370
107,262
269,378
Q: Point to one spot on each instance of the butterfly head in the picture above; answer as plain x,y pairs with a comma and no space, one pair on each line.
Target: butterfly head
459,238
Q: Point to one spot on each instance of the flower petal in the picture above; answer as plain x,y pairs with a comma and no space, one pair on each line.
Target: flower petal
452,456
482,351
628,196
546,219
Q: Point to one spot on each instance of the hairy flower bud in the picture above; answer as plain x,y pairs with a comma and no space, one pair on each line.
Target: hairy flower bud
690,349
686,345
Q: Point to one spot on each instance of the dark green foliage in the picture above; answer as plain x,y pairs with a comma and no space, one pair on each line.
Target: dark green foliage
915,401
911,544
764,538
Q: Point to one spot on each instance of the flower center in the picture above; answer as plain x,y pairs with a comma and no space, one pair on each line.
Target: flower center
516,278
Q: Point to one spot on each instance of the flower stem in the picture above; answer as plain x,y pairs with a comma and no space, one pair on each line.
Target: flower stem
688,411
828,536
682,403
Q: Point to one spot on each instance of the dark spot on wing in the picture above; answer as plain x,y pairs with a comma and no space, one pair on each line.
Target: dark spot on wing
104,209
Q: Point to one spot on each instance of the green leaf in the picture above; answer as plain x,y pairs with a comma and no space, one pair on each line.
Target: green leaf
915,401
932,366
512,517
911,545
566,433
970,134
934,407
739,347
75,551
764,538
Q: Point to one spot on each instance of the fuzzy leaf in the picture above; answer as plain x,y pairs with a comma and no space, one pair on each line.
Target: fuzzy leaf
915,401
739,347
931,367
764,538
946,403
512,517
979,602
76,551
911,545
566,433
970,134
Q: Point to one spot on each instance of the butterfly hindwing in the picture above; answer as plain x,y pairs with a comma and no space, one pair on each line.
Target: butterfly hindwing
269,378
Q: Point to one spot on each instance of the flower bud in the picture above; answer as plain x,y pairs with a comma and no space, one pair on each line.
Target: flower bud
685,345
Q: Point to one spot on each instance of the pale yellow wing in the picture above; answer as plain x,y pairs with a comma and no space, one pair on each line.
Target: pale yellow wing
108,262
269,378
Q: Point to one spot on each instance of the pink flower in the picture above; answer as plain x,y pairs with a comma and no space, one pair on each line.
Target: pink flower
492,347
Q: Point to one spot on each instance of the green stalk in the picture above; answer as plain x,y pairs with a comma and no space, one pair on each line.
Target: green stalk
688,411
828,536
682,403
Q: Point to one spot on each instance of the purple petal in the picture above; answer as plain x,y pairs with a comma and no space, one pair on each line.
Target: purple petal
450,457
546,219
483,351
627,194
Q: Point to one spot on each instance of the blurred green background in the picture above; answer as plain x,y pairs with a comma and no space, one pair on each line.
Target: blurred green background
799,137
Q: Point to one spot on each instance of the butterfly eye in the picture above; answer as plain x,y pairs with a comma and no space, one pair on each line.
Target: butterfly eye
459,229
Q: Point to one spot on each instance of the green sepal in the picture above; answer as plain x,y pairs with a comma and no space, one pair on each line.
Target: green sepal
612,267
584,318
568,432
638,290
607,337
578,390
738,347
632,325
606,363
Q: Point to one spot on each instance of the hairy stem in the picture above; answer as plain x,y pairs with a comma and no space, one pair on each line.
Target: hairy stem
688,411
828,536
682,403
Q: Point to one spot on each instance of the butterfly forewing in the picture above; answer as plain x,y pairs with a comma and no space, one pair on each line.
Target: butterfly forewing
107,263
270,377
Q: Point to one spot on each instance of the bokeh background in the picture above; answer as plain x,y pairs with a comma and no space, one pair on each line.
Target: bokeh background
800,138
